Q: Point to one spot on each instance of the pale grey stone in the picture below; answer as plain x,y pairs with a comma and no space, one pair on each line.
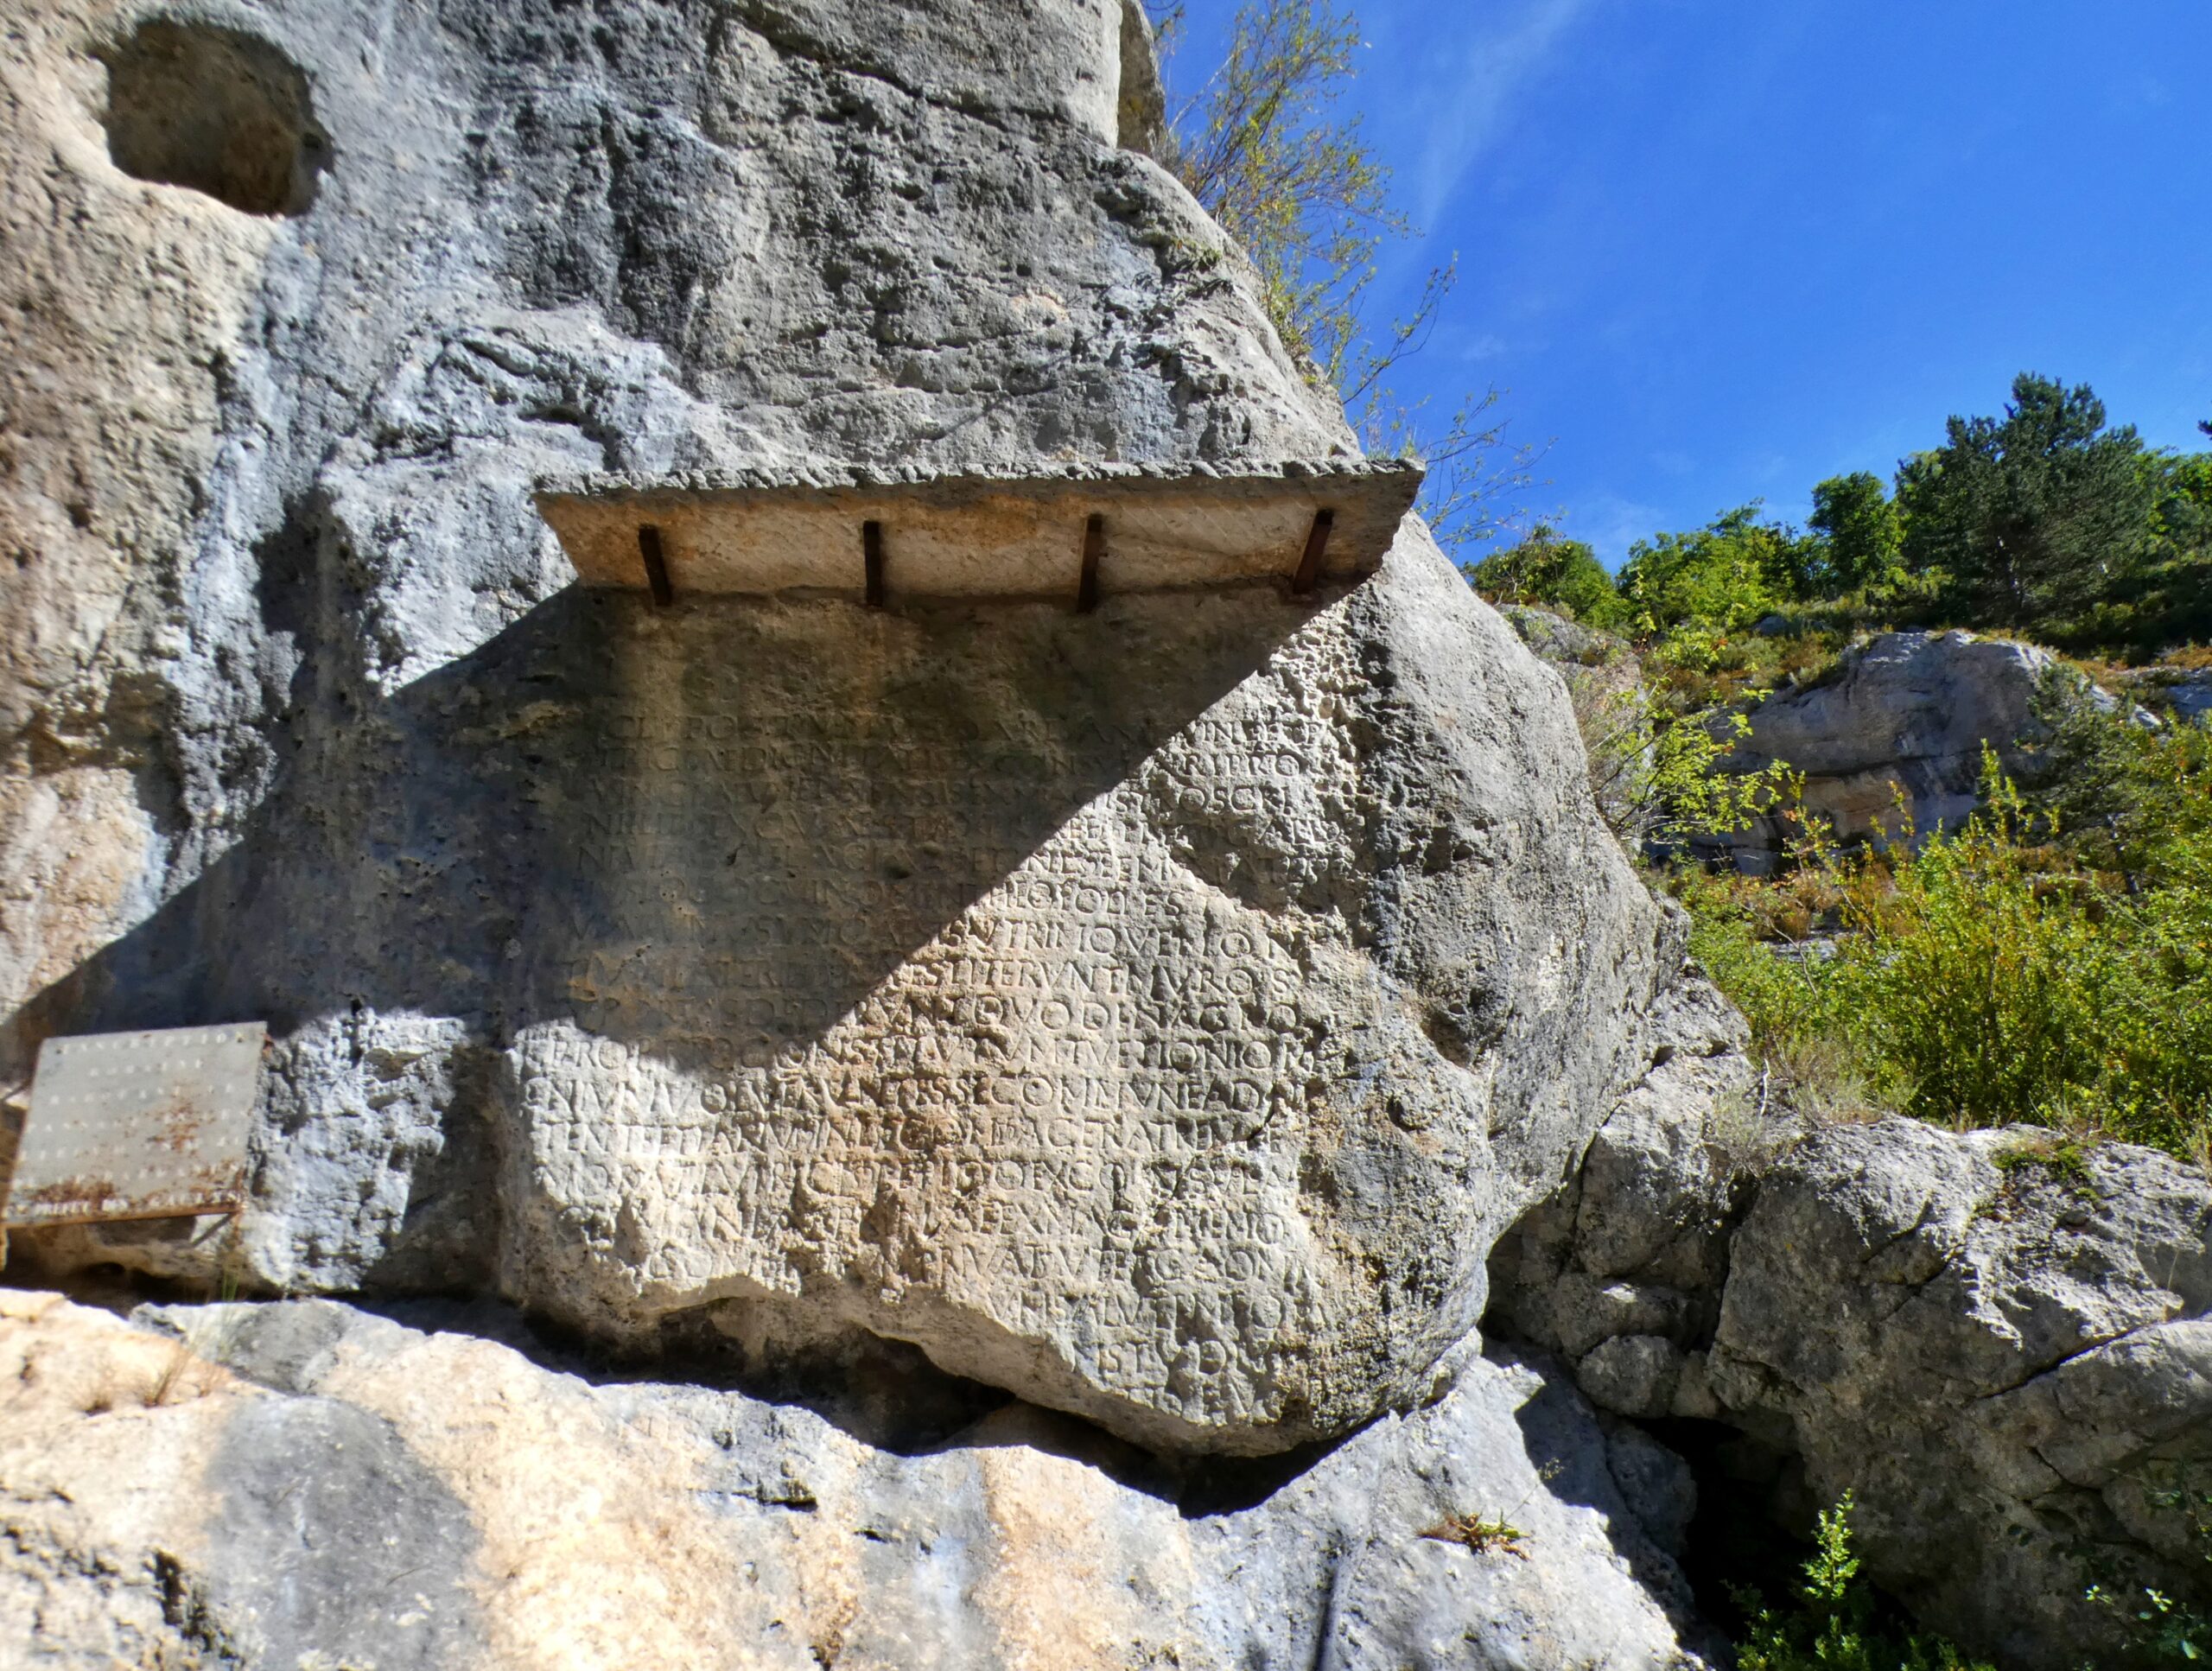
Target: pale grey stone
1987,1358
1636,1242
2191,698
1895,732
1656,1484
1116,1007
358,1491
1612,709
2009,1367
2183,693
1631,1375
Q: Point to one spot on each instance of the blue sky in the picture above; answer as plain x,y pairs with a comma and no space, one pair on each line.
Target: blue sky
1717,249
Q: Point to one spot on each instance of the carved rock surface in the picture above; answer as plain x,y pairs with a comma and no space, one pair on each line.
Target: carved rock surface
304,1484
1156,1011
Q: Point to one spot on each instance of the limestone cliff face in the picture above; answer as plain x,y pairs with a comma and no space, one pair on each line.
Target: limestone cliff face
265,468
1157,1012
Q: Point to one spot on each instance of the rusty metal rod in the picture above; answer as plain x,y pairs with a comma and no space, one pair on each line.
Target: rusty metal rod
1094,548
656,566
1317,544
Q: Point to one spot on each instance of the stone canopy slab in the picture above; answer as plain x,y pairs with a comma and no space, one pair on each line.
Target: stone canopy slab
1022,536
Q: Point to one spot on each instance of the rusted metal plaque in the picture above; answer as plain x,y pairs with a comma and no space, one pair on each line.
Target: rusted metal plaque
137,1125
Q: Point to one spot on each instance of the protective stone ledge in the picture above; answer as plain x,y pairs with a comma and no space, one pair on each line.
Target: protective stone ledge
1022,536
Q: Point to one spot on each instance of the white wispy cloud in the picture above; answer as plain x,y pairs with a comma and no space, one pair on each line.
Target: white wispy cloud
1467,95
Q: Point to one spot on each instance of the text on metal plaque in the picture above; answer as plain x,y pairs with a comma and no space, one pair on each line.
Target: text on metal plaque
137,1125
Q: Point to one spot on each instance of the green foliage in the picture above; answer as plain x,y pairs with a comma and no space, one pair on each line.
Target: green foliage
1688,793
2011,971
2031,517
1787,1002
1483,1535
2161,1629
2043,520
1700,586
1832,1625
1262,147
1983,991
1560,573
1261,144
2167,598
1854,514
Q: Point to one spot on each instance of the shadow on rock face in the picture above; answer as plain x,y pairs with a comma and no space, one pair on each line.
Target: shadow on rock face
698,836
707,833
364,1557
1612,1466
216,110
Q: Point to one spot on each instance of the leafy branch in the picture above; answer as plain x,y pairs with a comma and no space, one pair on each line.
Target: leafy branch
1260,143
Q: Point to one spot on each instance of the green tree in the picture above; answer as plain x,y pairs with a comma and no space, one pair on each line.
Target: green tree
1854,516
2031,517
1262,145
1719,577
1545,569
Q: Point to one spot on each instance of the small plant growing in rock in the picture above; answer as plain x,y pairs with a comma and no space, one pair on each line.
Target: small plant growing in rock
168,1380
1480,1535
1832,1626
2064,1158
2160,1629
1483,1535
2157,1626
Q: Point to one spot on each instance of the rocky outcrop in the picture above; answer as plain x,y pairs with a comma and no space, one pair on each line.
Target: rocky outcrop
1997,1342
1067,1070
1111,1005
1612,710
2183,693
1622,1270
1894,733
269,456
304,1482
2000,1345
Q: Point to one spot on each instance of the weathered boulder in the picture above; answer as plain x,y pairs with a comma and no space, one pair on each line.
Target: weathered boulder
304,1484
2001,1347
1612,710
2185,693
2000,1343
1895,731
2190,697
270,463
1125,1043
1115,1005
1621,1270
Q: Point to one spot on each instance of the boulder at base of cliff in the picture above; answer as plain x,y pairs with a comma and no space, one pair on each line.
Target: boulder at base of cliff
1155,1010
1998,1342
301,1484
